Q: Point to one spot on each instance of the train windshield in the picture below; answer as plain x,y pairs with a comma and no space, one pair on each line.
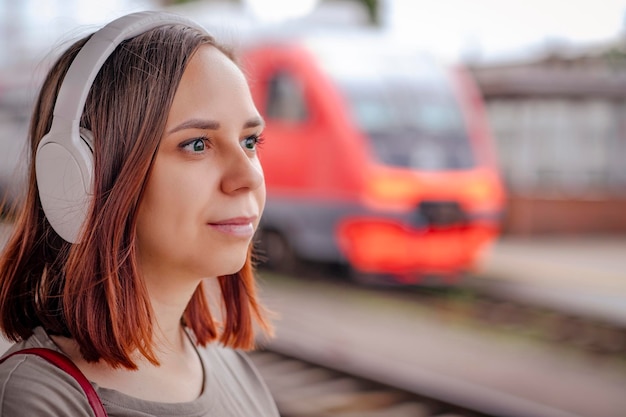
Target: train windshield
406,106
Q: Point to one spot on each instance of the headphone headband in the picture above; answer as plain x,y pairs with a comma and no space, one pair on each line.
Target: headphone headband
64,158
73,93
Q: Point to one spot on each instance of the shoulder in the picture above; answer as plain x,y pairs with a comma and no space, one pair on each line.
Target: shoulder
29,385
233,370
235,361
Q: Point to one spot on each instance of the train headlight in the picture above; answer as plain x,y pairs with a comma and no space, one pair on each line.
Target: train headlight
390,190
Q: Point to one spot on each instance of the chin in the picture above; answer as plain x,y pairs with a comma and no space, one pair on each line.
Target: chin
234,266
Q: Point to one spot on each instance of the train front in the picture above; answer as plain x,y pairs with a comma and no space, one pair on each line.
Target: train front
432,198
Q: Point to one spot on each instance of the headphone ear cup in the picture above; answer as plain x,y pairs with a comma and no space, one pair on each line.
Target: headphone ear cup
64,179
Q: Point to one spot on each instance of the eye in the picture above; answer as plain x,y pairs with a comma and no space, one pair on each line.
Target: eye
196,145
252,142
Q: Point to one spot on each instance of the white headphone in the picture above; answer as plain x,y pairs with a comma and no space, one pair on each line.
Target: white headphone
64,158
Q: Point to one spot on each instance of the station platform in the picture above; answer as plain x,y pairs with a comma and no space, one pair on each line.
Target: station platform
584,275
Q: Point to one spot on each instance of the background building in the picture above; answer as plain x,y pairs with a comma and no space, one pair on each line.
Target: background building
560,126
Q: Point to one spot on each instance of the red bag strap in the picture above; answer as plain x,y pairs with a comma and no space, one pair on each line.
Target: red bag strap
64,363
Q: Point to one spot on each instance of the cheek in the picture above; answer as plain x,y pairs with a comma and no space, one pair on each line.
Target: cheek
169,199
152,210
167,220
177,187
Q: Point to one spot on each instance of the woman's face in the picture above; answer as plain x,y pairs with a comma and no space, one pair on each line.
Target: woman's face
206,191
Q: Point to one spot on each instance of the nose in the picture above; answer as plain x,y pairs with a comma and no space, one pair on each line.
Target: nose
243,172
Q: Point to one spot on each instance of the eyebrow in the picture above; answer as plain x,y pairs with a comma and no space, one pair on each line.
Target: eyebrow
205,124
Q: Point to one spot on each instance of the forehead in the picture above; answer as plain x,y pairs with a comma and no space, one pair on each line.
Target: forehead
208,59
213,86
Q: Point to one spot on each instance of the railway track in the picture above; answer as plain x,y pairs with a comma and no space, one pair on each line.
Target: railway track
454,352
570,329
575,325
305,389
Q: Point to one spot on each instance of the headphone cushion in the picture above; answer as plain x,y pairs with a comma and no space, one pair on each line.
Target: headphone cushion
65,184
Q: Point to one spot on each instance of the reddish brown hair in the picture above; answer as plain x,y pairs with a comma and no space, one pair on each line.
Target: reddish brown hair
93,292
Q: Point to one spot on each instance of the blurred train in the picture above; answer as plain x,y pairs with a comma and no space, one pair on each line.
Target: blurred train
377,157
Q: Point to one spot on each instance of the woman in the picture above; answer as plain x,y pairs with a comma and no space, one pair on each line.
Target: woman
175,195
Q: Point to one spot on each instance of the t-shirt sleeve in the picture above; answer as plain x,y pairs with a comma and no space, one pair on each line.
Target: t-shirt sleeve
30,386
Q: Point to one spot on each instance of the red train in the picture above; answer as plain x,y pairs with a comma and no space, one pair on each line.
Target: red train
375,157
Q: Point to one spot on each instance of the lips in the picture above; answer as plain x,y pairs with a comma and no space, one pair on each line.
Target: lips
238,226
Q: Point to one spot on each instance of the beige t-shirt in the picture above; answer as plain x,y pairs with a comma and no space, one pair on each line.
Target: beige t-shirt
31,386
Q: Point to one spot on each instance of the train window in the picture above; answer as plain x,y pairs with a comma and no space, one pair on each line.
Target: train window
409,124
405,104
285,99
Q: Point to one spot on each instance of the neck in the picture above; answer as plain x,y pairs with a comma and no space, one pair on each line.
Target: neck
168,306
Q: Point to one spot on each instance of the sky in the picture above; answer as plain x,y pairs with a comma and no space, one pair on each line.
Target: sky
505,28
485,29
